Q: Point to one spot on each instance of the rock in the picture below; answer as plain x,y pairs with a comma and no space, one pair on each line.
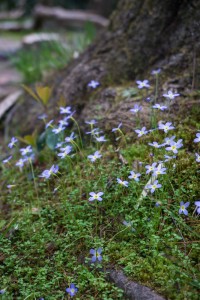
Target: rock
16,25
9,101
132,290
40,37
63,17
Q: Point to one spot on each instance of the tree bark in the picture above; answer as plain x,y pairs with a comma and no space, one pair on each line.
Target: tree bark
142,35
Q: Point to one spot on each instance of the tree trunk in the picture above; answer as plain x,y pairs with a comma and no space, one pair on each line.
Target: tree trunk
142,35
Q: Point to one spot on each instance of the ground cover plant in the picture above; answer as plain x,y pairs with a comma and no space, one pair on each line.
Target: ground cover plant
76,204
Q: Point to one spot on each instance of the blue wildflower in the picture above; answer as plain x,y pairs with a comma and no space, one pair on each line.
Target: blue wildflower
65,151
197,203
117,128
93,84
136,109
47,173
174,146
143,84
65,110
96,254
25,151
197,140
150,168
166,127
155,72
141,132
155,185
197,157
101,139
170,95
158,106
12,142
94,156
134,176
95,196
91,122
183,207
72,290
5,161
121,182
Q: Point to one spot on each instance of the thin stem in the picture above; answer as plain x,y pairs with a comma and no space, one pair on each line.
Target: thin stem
35,185
78,131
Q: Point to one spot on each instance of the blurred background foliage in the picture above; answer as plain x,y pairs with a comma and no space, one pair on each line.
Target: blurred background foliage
103,7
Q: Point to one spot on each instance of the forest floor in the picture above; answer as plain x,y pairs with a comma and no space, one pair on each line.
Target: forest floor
77,202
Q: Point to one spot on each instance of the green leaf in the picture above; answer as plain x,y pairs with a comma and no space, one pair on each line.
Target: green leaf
44,93
51,139
41,141
30,92
129,92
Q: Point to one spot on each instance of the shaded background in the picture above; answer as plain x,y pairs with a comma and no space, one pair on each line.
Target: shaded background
102,7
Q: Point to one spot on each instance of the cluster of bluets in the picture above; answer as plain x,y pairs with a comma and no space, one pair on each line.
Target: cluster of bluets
66,147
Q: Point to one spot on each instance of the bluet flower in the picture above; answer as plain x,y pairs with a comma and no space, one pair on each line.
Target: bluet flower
159,170
49,124
134,176
197,140
117,128
197,203
141,132
70,138
47,173
171,95
91,122
183,207
93,84
94,131
96,254
58,129
72,290
155,72
65,110
42,117
166,127
12,142
168,158
121,182
59,145
158,106
155,145
20,163
94,156
63,123
136,109
143,84
95,196
169,140
101,139
2,292
5,161
65,151
174,146
129,224
197,157
151,168
155,185
25,151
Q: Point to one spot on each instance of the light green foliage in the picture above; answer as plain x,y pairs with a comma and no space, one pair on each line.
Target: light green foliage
37,61
45,245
